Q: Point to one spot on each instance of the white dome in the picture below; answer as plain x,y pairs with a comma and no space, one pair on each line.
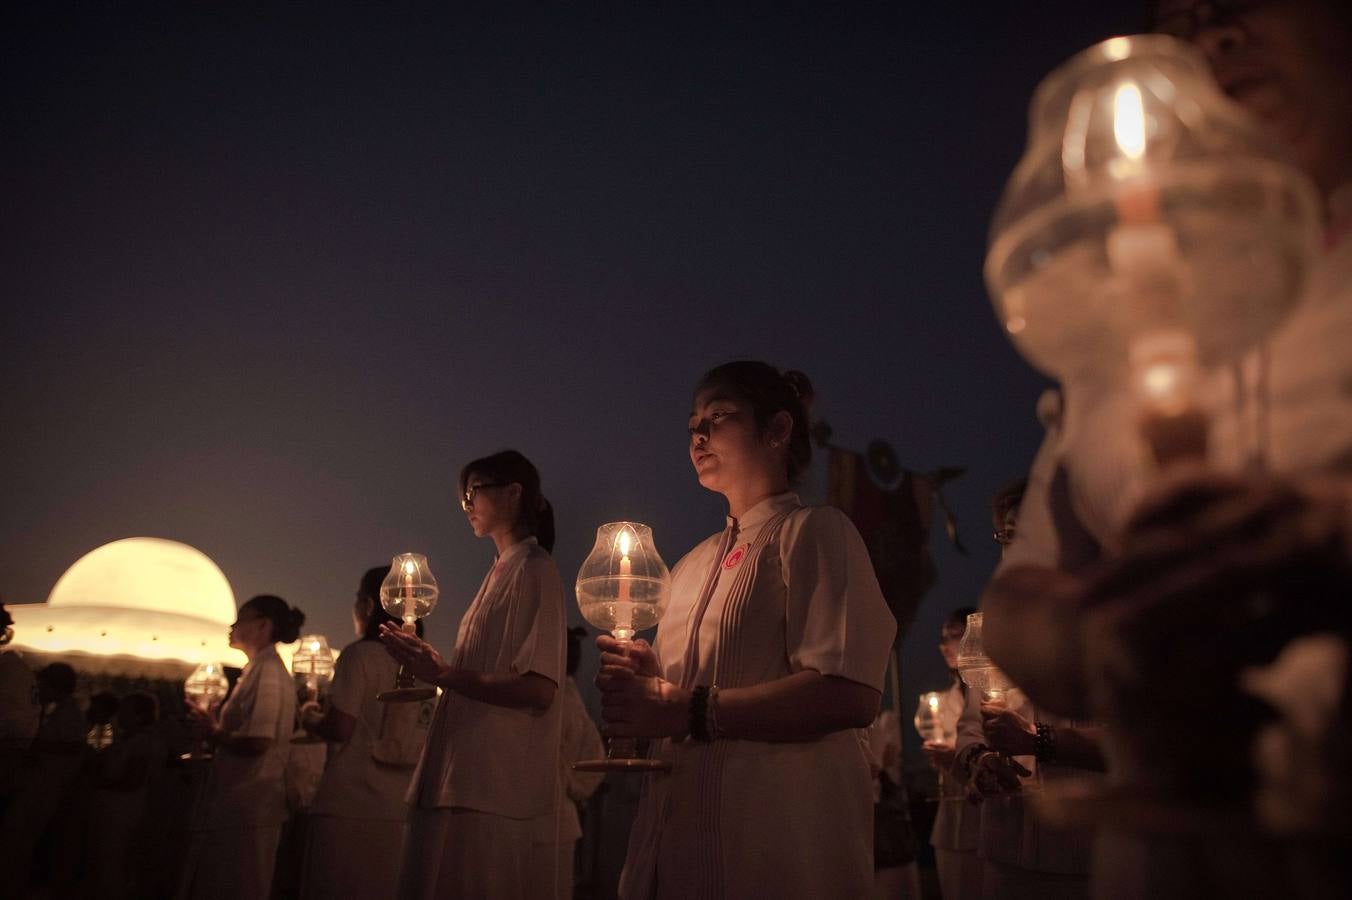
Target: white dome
150,574
138,598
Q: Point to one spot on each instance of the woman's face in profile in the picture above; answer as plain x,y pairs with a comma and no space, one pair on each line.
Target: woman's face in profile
726,447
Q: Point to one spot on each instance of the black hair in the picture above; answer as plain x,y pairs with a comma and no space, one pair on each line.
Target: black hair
6,619
575,636
286,620
534,516
370,587
958,618
58,676
102,707
769,391
141,706
1008,498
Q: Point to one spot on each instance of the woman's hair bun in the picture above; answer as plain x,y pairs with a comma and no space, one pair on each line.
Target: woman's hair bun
801,386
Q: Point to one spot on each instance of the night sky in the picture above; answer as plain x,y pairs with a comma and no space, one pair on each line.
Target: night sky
270,278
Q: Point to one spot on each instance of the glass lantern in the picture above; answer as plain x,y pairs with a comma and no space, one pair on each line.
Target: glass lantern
929,718
976,669
205,687
623,588
1150,232
312,667
409,592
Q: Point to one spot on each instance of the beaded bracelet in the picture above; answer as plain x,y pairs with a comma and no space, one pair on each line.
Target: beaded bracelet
1044,745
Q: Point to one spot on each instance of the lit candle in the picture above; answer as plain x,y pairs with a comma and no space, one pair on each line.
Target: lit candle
410,616
626,567
1143,253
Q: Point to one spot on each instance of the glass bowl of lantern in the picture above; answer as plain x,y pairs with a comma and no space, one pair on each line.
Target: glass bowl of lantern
623,588
1151,233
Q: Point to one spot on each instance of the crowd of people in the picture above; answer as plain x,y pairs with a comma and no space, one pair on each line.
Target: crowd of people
762,684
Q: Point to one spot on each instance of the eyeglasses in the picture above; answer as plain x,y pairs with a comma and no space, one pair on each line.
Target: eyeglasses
467,500
1004,536
1189,21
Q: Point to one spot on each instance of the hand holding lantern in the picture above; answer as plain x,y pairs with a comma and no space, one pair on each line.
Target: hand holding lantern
204,688
409,592
623,587
313,665
1150,232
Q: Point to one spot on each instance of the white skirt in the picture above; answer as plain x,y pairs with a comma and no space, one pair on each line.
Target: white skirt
356,858
230,864
471,855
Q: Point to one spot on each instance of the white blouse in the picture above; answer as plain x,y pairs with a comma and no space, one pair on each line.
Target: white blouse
784,589
491,758
249,791
354,785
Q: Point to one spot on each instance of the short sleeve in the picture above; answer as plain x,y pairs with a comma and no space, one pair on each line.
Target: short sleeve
540,596
836,620
349,680
260,720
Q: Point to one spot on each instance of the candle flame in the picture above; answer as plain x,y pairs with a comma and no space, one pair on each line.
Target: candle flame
624,541
1161,380
934,701
1129,121
410,567
314,646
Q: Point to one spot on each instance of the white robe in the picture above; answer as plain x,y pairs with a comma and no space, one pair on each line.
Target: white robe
784,589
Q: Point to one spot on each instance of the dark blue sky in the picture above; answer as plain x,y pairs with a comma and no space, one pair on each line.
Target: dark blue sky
271,277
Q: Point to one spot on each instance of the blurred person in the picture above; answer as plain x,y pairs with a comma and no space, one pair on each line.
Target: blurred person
1203,540
490,768
556,837
1008,746
47,772
123,772
356,829
766,670
102,711
19,711
956,824
896,876
238,821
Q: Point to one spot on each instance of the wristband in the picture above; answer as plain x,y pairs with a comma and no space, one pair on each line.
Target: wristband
711,716
1044,745
699,714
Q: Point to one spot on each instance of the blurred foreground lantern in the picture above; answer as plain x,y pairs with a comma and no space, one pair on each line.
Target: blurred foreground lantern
1149,233
408,593
623,588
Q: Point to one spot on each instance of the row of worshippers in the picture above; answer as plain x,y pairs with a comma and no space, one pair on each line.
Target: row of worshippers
770,660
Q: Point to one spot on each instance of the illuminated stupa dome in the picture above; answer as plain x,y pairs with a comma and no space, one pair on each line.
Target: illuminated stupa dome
137,599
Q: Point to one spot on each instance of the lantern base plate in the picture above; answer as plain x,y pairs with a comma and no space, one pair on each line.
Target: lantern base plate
406,695
639,764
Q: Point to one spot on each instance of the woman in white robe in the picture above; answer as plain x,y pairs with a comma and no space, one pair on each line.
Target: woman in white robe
490,769
239,818
356,830
767,667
